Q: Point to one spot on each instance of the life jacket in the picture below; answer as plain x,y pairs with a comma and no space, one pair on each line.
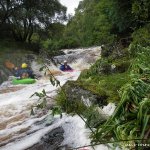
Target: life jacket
22,71
65,68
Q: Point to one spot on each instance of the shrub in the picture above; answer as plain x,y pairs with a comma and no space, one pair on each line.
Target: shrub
131,120
142,36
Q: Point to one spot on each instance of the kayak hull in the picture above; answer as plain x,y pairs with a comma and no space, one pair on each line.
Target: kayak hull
23,81
69,71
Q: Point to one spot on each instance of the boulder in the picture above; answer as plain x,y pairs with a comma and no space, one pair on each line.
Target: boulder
51,141
75,92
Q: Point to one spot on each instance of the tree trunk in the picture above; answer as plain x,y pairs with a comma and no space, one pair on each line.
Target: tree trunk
30,34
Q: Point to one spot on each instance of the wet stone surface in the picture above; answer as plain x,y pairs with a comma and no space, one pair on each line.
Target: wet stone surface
75,92
51,141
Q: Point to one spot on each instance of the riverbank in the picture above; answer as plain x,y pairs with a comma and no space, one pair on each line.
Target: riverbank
121,78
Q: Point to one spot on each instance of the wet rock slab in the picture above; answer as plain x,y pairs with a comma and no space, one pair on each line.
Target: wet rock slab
76,92
51,141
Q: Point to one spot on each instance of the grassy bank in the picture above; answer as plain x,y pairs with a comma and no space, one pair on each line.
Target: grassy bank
128,86
105,85
8,45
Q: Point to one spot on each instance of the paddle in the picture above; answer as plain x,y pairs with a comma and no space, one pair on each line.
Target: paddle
9,65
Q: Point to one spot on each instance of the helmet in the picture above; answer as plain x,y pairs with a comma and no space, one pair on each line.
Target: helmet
24,65
65,61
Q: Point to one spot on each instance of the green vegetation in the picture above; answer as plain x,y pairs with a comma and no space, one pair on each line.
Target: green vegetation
23,18
95,22
32,23
10,46
130,120
105,22
91,24
121,75
105,85
73,105
129,90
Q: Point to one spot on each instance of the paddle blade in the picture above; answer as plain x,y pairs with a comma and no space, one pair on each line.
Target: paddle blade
9,65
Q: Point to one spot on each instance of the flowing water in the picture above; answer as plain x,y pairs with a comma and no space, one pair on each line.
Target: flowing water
19,130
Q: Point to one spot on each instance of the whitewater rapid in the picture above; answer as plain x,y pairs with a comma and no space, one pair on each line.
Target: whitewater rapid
20,130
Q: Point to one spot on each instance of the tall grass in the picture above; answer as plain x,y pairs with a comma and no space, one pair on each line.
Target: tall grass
131,119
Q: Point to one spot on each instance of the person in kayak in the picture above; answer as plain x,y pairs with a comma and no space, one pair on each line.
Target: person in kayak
65,67
16,71
23,72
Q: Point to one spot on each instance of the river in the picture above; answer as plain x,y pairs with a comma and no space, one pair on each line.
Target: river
19,130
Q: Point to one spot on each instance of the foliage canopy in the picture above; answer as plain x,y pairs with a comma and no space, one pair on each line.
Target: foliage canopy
23,17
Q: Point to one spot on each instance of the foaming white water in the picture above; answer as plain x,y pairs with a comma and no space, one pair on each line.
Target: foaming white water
80,59
75,135
19,130
16,122
109,109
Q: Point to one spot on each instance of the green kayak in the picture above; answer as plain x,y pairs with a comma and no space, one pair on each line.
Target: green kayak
23,81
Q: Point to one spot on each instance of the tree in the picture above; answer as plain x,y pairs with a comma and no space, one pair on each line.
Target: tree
25,16
91,24
127,15
100,22
141,11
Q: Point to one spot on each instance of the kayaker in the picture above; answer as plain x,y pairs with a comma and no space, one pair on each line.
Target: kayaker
16,72
23,72
65,66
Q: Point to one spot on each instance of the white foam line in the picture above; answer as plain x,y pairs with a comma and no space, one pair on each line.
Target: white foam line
19,127
18,95
77,135
30,140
